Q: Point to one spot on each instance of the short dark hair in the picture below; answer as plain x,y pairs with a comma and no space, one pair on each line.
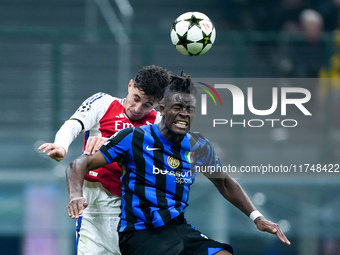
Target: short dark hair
152,80
180,84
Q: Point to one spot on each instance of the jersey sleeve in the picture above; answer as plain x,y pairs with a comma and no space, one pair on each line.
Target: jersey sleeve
118,146
207,153
92,110
67,133
205,157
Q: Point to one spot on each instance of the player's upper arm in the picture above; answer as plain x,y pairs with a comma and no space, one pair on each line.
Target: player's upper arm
95,161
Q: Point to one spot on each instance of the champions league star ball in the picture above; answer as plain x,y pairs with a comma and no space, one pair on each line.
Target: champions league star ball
193,33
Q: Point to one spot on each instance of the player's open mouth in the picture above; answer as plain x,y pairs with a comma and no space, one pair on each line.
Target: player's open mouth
181,124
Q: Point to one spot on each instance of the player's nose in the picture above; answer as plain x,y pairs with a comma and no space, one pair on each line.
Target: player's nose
138,108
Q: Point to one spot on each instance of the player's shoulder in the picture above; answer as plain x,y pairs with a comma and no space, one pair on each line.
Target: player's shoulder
102,98
198,138
196,135
121,134
144,129
100,95
97,95
135,134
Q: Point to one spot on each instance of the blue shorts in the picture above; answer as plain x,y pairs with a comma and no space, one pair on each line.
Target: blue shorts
170,239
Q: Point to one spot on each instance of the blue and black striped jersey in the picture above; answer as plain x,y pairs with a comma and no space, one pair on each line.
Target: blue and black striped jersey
157,174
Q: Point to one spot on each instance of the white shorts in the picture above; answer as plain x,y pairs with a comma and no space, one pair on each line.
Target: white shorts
97,227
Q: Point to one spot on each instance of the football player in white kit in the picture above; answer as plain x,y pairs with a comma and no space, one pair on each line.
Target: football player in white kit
100,116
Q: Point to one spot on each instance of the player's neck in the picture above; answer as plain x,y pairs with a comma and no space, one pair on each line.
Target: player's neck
168,134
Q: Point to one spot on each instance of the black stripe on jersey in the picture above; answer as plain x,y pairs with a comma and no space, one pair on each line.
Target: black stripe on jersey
118,137
80,122
137,151
160,178
176,150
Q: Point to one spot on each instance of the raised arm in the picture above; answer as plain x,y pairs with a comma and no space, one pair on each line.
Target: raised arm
64,137
233,192
84,118
75,173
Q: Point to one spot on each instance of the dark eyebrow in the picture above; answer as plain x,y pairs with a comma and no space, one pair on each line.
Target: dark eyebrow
148,102
184,105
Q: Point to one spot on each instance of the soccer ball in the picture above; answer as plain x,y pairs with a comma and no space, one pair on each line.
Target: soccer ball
193,33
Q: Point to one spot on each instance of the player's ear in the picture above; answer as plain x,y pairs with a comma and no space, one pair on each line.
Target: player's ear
161,109
157,103
130,84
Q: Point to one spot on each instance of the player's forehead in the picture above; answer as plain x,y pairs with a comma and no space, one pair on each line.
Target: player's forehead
185,99
138,93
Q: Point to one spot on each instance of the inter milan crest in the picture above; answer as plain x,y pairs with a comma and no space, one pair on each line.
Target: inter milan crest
173,162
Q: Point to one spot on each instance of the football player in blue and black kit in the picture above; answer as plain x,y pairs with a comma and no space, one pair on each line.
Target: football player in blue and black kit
158,164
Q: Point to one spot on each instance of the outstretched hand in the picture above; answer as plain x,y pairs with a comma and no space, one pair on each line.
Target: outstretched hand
265,225
55,152
93,144
76,207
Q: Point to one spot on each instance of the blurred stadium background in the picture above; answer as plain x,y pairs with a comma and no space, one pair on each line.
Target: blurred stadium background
56,53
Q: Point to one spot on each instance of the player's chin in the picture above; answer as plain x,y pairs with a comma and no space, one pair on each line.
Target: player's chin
135,117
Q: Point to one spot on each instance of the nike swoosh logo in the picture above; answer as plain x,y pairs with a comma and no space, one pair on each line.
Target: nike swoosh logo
152,149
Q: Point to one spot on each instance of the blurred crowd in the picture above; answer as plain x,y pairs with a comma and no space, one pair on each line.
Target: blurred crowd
278,15
306,42
306,24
